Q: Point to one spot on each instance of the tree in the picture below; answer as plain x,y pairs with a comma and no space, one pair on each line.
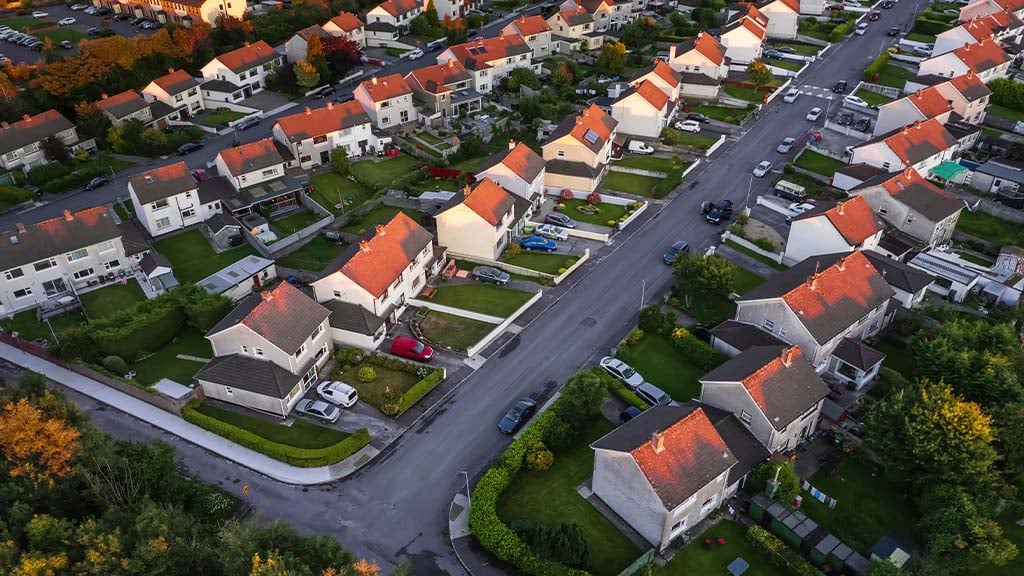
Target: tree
342,53
759,73
686,269
35,446
977,358
431,14
339,161
639,33
455,30
315,56
522,77
306,75
959,532
717,276
582,396
91,120
886,568
56,151
789,482
1008,422
612,59
419,25
562,75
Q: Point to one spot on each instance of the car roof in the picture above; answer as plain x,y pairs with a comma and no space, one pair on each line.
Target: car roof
405,339
679,244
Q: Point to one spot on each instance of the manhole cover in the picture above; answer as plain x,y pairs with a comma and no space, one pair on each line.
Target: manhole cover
589,322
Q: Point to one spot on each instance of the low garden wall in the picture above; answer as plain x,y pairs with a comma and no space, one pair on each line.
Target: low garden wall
847,130
278,248
456,311
511,268
729,236
493,334
255,114
637,171
887,91
780,90
235,107
166,403
586,256
629,219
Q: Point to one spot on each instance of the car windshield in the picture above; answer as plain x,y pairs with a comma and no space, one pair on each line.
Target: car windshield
628,372
418,347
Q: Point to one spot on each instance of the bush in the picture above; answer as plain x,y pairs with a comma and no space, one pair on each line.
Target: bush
566,194
116,364
421,389
539,458
635,336
1007,93
9,196
367,374
511,251
627,395
840,31
876,65
594,198
696,350
391,404
781,555
929,27
765,244
206,311
348,357
654,321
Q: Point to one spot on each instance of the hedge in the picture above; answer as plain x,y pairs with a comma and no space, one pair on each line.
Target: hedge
929,27
876,66
696,350
837,33
780,554
627,395
420,389
301,457
10,196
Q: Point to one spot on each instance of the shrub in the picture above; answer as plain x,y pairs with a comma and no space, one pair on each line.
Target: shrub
1007,93
9,196
203,312
654,321
594,198
626,395
391,404
876,65
635,336
367,374
929,27
561,271
566,194
348,356
539,458
765,244
569,262
840,31
116,364
511,251
421,389
696,350
781,555
611,223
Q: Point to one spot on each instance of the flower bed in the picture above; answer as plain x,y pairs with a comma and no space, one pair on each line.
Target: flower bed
408,383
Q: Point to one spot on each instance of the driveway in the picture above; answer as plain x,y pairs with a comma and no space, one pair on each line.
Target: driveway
382,429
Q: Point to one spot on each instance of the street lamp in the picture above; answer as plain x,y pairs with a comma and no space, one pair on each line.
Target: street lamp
746,203
643,290
52,333
466,474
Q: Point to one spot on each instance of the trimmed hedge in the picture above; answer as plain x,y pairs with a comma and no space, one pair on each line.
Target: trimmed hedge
930,27
11,196
780,554
627,395
696,350
876,66
420,389
837,33
301,457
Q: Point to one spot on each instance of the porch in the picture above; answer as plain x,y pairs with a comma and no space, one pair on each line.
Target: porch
854,363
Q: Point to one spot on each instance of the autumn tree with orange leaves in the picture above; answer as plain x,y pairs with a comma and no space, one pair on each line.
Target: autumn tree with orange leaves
35,446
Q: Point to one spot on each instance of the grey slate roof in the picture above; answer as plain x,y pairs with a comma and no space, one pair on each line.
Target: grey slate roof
126,108
858,354
353,318
283,316
1002,171
132,239
749,452
898,274
698,79
161,183
153,260
34,129
224,86
860,171
380,27
160,109
57,236
932,203
742,336
570,168
216,188
220,221
251,374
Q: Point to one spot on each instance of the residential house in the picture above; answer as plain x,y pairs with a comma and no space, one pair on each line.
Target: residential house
247,67
217,91
670,467
167,199
480,221
349,25
21,143
953,279
744,35
1004,27
999,175
702,64
454,9
178,91
58,257
812,7
381,273
394,13
157,272
663,76
783,18
535,30
312,135
295,47
519,170
986,58
979,8
913,205
921,146
180,12
124,106
922,105
256,172
608,15
490,60
576,24
388,101
578,151
644,110
444,90
241,278
773,390
968,95
832,228
908,283
267,351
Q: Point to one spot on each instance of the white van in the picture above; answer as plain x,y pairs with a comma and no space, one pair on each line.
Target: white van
638,147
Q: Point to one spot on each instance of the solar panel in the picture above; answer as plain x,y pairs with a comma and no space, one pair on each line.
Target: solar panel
590,136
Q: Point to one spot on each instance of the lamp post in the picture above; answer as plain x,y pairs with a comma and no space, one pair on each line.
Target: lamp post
52,333
750,186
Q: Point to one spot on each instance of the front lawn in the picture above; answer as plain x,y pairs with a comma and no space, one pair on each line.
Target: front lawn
759,257
725,113
294,222
674,137
872,98
58,35
111,299
661,363
791,65
695,559
717,309
550,498
300,434
818,163
432,185
373,392
744,93
975,259
894,76
541,262
164,363
452,331
22,23
379,215
193,258
646,163
314,256
381,174
634,184
1006,113
332,190
606,212
918,37
29,327
483,298
220,117
987,227
868,505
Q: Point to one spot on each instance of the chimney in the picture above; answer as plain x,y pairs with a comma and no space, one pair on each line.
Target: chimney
906,129
841,263
374,80
170,70
579,120
511,144
267,295
246,43
658,442
787,356
330,105
364,246
21,227
104,96
380,229
26,117
672,52
466,191
68,216
812,280
5,125
308,111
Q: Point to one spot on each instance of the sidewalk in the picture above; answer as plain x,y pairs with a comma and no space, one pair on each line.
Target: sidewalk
189,432
473,559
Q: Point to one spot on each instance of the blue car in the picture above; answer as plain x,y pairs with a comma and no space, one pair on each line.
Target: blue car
538,243
670,256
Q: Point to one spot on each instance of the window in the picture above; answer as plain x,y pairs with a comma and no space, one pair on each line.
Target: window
270,172
769,325
258,352
159,204
678,527
163,223
24,292
397,282
302,349
404,116
105,246
885,165
192,92
319,330
54,287
178,98
83,273
14,273
45,264
708,504
484,88
883,210
385,104
228,391
337,294
782,332
112,265
310,376
245,349
385,120
744,417
319,139
78,254
560,153
188,213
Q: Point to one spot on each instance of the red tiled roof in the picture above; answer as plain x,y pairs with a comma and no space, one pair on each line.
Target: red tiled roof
248,56
240,159
593,118
854,219
711,48
970,86
793,5
930,102
920,140
347,21
116,100
756,383
911,189
985,26
275,315
321,121
523,162
652,94
1010,5
754,28
381,89
58,226
488,200
477,54
434,79
574,14
982,56
848,280
175,81
530,25
307,32
397,7
381,259
664,71
755,14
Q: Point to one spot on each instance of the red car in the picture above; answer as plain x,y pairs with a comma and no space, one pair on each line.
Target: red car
412,349
201,175
874,15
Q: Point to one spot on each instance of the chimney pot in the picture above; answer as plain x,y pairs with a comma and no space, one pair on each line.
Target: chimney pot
374,80
26,117
364,246
308,111
170,70
658,442
68,216
841,264
104,96
380,229
330,105
267,296
21,227
5,125
787,356
466,191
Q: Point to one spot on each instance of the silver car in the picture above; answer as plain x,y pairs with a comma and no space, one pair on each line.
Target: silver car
785,146
653,395
622,371
553,232
326,413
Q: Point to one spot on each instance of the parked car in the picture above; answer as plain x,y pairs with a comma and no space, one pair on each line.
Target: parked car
861,29
629,413
621,371
638,147
559,219
701,331
94,31
785,146
852,100
516,416
411,348
814,114
538,243
66,44
888,4
717,213
66,21
894,31
490,274
688,126
201,175
415,54
791,96
323,411
845,118
763,168
798,208
653,395
247,122
669,257
862,125
698,118
875,15
786,49
189,147
839,87
121,17
77,7
338,393
552,232
774,55
923,50
40,15
96,182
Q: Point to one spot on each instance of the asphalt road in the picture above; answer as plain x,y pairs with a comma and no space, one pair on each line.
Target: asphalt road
396,508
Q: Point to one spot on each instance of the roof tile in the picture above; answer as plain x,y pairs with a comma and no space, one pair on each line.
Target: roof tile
381,258
385,88
982,56
248,56
852,218
919,141
252,156
347,21
488,200
330,118
530,25
652,94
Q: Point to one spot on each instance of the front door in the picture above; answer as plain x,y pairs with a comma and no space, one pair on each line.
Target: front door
325,158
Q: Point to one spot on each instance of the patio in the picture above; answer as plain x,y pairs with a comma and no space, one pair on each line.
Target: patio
729,544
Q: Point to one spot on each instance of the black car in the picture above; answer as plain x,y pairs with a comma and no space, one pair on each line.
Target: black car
628,414
189,147
862,125
121,17
669,257
894,31
517,416
702,332
888,4
97,182
717,213
236,240
839,87
698,118
845,119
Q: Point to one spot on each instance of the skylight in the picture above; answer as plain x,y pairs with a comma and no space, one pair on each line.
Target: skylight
590,136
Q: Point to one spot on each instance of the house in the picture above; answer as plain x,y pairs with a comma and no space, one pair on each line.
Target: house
22,143
167,199
388,100
578,151
908,283
818,303
608,14
968,95
247,67
178,91
812,7
217,91
295,47
518,170
980,8
783,18
454,9
490,60
986,58
382,272
535,30
913,205
575,23
643,110
312,135
831,228
670,467
999,175
256,173
480,221
920,146
444,90
180,12
158,272
124,106
772,390
267,351
663,76
701,64
240,279
922,105
1003,26
744,35
58,257
349,25
394,13
953,280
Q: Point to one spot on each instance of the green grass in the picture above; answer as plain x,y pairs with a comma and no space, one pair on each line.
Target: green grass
815,188
695,559
58,35
805,49
897,357
759,257
394,52
110,299
661,363
541,262
673,170
744,93
872,98
373,392
467,265
432,185
630,183
974,259
724,113
314,256
330,189
646,163
918,37
194,259
300,434
792,65
483,298
379,215
550,498
164,363
432,140
941,6
291,224
895,76
221,117
692,140
987,227
29,327
607,212
381,174
818,163
453,331
1007,113
20,23
717,309
125,210
867,508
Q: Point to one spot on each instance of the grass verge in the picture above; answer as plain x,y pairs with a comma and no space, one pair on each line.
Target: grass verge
300,434
759,257
547,263
661,363
194,259
818,163
314,256
990,228
606,212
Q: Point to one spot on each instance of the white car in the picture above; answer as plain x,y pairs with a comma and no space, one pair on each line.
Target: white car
861,29
814,114
852,100
551,231
791,96
798,208
66,21
91,10
688,126
77,7
622,372
338,393
785,146
40,15
415,53
762,169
